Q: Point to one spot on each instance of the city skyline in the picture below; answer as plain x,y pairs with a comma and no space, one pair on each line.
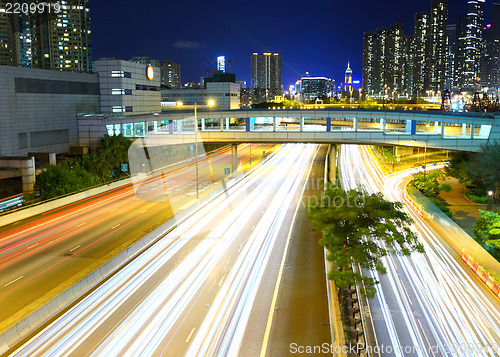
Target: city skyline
319,41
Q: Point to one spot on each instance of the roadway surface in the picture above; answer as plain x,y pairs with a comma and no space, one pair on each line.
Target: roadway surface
194,291
42,256
427,304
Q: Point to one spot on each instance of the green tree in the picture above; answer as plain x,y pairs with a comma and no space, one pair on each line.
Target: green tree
487,229
111,152
483,167
457,167
352,224
60,180
429,184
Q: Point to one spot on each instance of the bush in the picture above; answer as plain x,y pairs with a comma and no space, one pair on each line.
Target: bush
476,195
443,208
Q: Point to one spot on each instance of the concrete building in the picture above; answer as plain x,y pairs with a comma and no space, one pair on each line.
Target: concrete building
128,88
38,109
226,95
170,75
312,88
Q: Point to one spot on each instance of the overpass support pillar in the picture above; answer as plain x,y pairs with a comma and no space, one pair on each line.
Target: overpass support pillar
328,125
436,127
301,124
179,126
442,129
221,124
274,124
472,131
382,125
234,158
464,130
170,126
28,174
227,124
332,172
355,124
52,159
202,124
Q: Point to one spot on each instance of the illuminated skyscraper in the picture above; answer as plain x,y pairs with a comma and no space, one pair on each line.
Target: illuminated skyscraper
266,74
61,40
368,62
348,79
437,45
15,38
221,64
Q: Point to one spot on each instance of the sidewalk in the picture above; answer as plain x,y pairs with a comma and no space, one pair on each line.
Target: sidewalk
465,212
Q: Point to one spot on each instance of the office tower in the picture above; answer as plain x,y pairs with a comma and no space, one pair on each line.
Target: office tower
368,63
221,64
470,46
312,88
436,45
61,40
170,75
266,74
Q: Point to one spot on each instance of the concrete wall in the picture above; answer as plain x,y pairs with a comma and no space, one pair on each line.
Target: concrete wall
38,109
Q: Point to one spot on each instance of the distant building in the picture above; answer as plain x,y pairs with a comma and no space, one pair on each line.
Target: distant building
170,75
221,64
145,60
15,37
312,88
266,74
226,95
368,75
437,45
128,87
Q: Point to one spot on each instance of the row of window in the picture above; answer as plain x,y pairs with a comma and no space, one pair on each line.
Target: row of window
121,74
150,88
122,109
117,91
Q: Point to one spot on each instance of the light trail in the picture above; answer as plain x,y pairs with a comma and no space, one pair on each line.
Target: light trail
213,258
445,309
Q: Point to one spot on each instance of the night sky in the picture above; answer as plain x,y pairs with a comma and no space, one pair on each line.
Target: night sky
318,37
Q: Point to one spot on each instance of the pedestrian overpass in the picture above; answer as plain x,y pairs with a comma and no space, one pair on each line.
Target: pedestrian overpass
431,129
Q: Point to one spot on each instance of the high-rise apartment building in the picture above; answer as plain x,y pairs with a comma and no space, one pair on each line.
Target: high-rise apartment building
15,38
395,57
451,57
170,75
368,63
420,45
437,45
470,46
266,74
61,39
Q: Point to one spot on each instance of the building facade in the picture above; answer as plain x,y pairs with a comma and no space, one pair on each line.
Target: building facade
226,95
128,88
62,40
39,108
312,88
170,75
266,74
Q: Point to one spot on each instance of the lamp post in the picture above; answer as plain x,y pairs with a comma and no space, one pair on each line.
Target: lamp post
489,207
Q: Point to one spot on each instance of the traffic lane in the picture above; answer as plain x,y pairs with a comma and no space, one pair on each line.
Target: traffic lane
60,267
301,314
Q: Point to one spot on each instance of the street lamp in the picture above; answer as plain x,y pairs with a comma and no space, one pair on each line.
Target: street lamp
210,103
489,207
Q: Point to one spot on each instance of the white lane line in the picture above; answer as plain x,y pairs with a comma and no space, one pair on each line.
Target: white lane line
211,286
81,224
78,246
222,280
13,281
114,209
406,292
144,211
31,246
425,335
190,334
118,225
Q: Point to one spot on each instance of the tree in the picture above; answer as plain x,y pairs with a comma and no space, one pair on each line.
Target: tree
483,168
487,229
457,167
352,224
429,184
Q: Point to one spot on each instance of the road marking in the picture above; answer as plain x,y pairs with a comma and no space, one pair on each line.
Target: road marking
81,224
121,328
118,225
114,209
144,211
425,335
262,212
13,281
211,286
253,228
241,247
78,246
31,246
190,334
222,280
406,292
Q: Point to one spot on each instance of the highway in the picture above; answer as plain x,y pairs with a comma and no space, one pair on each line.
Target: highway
42,256
191,293
427,304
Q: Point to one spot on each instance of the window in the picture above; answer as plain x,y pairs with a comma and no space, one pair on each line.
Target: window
121,74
